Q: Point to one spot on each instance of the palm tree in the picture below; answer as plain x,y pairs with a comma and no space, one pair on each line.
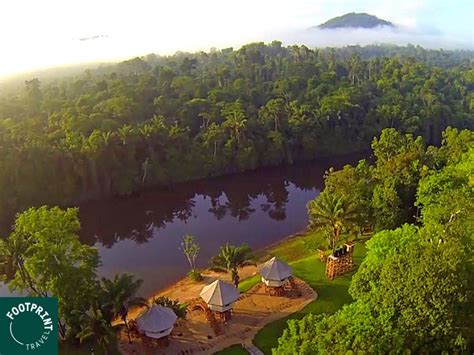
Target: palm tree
276,111
125,133
212,137
355,68
235,120
331,212
94,325
180,309
119,296
231,258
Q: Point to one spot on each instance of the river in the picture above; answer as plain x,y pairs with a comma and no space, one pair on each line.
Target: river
141,234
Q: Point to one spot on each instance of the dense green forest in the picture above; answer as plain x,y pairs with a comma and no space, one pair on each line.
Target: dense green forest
155,121
413,291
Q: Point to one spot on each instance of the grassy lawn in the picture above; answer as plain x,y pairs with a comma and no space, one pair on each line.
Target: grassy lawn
300,252
297,247
233,350
332,295
248,283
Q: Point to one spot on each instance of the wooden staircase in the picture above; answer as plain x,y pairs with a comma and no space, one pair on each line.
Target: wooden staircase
210,317
213,322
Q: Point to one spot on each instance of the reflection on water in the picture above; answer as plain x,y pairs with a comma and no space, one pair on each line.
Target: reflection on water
141,217
142,234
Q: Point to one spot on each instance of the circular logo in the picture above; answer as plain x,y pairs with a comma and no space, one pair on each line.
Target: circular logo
30,325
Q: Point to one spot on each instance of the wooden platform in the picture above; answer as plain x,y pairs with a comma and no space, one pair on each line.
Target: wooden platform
289,289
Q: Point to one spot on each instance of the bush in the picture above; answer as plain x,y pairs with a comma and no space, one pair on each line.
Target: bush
195,275
179,309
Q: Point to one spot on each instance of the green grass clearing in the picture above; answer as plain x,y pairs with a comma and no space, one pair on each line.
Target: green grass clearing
297,247
248,283
236,349
332,295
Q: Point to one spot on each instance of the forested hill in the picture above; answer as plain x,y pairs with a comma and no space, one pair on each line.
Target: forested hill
154,121
355,20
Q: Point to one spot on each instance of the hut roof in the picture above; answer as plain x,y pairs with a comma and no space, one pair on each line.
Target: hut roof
219,293
275,269
156,320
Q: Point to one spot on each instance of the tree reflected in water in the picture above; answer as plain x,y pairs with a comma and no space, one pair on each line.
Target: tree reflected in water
139,217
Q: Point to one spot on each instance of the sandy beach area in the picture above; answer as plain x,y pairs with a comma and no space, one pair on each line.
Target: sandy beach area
251,312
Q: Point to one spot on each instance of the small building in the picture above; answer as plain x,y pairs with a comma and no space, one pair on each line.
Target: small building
220,297
275,275
157,323
340,262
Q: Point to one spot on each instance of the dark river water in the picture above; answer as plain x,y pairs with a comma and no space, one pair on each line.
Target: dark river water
142,234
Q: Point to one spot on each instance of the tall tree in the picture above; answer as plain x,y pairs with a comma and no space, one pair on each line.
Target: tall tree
48,259
331,213
119,295
95,326
191,250
235,121
412,292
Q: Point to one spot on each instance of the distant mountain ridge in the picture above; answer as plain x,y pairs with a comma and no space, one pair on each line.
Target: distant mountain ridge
355,20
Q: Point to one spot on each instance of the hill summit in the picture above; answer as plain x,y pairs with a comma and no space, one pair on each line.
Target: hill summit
355,20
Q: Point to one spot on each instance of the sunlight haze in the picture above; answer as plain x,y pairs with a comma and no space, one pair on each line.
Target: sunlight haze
36,34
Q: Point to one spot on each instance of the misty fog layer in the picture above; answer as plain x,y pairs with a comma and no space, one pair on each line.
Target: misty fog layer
122,47
105,47
341,37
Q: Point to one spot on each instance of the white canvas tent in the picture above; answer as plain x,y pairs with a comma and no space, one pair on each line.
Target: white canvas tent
219,296
275,273
157,322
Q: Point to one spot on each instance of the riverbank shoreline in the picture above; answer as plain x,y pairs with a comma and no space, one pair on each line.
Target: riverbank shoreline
298,250
346,157
142,234
245,273
253,310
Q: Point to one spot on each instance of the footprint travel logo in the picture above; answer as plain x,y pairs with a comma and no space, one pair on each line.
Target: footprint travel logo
28,325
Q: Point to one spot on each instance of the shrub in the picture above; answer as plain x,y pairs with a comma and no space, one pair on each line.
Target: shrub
195,275
179,309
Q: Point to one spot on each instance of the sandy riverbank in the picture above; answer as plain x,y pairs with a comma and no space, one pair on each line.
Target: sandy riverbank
186,290
251,312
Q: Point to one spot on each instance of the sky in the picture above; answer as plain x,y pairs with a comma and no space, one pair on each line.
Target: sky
36,34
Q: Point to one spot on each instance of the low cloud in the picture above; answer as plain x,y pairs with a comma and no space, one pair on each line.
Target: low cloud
92,38
428,38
